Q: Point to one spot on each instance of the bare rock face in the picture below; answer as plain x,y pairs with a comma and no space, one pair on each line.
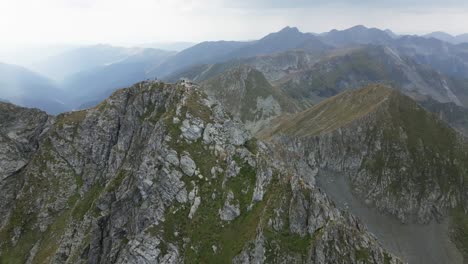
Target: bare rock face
19,135
124,183
20,132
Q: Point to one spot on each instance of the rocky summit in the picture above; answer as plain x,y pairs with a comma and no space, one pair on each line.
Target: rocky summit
160,173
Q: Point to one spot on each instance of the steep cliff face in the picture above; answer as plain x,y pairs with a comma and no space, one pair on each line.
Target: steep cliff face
160,174
19,135
399,158
20,132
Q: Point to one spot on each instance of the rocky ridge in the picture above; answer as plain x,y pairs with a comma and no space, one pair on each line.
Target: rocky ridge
160,173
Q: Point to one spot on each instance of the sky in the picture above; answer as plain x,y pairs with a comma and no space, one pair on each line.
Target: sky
130,22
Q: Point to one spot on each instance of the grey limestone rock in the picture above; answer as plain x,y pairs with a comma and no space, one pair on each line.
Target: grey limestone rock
187,165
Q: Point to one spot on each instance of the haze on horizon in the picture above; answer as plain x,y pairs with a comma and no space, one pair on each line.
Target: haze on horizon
132,22
33,30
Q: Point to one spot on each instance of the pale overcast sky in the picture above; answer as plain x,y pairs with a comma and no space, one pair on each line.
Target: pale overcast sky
140,21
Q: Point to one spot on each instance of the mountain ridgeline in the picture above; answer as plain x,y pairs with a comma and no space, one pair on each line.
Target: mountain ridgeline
169,178
87,75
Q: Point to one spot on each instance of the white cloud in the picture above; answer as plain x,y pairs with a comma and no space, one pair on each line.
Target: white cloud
136,21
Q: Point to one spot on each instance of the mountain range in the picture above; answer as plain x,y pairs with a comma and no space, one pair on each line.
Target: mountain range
89,74
458,39
343,147
24,87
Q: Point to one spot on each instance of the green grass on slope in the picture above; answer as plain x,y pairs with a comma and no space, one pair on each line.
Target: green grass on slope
335,112
460,230
434,149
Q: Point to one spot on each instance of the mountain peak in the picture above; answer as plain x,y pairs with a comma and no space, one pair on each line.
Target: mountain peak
289,29
358,27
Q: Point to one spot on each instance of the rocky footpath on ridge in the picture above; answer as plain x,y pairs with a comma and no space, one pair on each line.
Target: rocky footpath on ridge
160,173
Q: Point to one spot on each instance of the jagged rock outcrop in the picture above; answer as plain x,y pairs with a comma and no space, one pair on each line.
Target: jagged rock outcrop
143,177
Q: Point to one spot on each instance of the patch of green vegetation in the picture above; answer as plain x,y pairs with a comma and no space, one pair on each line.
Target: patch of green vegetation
282,242
195,106
18,253
50,241
460,230
47,242
362,255
116,182
71,118
101,106
251,145
387,258
86,202
243,184
74,257
153,114
158,85
79,181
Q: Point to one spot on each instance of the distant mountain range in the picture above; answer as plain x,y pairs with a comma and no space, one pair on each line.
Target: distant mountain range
97,83
24,87
458,39
86,75
64,65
